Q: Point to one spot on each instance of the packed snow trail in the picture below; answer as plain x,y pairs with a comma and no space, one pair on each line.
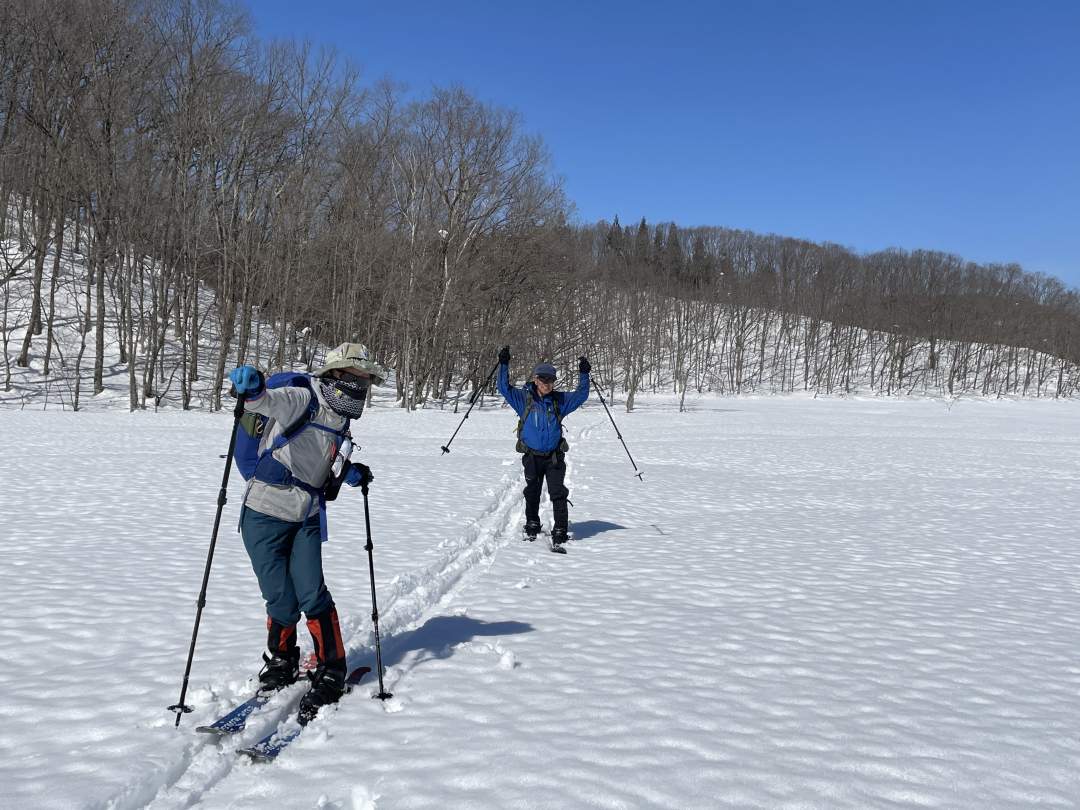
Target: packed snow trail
807,603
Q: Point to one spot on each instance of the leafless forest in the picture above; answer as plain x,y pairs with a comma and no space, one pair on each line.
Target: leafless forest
207,199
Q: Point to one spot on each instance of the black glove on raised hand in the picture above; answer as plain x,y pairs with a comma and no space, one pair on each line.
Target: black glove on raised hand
583,365
504,356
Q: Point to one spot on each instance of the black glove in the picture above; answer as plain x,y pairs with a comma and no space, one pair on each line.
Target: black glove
504,356
583,365
358,474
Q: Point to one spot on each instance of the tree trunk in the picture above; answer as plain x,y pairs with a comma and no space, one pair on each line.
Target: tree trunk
99,337
52,290
34,327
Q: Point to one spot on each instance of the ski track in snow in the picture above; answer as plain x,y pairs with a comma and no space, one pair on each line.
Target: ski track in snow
806,604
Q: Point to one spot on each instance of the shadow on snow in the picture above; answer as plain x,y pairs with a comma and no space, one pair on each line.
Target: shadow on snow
590,528
439,635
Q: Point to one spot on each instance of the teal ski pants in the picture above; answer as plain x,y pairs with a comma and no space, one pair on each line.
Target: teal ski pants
287,559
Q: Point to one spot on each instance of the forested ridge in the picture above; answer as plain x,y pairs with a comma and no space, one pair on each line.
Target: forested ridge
204,199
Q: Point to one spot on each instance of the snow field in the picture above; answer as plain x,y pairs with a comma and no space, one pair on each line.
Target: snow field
807,603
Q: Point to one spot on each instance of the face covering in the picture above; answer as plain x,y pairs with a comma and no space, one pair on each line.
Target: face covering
344,398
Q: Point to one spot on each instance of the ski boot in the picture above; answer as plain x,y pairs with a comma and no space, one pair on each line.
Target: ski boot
327,687
532,528
281,670
282,664
558,540
328,679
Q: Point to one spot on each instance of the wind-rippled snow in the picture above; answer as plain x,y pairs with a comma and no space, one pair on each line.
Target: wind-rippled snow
806,604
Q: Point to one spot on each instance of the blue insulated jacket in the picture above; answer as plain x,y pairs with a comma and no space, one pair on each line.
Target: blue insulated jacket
541,431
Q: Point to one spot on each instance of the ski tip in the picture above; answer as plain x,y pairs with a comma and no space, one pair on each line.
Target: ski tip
268,748
216,731
256,755
357,675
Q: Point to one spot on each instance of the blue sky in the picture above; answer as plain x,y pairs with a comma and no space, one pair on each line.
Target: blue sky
944,125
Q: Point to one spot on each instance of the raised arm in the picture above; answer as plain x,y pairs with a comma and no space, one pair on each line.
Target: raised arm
572,400
283,404
515,396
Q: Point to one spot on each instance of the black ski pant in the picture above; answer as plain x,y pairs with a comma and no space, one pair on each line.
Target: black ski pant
552,468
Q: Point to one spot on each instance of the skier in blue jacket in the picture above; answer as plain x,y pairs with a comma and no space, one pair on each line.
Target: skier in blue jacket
541,410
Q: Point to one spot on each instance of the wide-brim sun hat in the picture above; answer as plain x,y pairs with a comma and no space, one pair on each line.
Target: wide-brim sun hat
355,356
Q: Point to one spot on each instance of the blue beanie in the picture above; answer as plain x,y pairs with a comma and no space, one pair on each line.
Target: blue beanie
545,370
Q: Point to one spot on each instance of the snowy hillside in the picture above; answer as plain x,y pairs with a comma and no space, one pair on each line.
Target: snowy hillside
738,351
71,350
807,603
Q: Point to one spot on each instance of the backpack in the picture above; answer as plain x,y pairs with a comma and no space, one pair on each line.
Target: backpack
252,426
521,447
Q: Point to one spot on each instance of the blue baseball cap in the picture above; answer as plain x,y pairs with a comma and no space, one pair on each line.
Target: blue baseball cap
545,370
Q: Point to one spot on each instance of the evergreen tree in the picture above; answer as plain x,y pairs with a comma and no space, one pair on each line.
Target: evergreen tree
674,258
700,269
614,242
641,243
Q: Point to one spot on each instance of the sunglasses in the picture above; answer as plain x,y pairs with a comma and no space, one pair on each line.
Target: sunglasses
544,378
349,377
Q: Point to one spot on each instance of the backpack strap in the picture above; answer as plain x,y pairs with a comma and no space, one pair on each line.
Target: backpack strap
271,471
525,414
556,400
298,424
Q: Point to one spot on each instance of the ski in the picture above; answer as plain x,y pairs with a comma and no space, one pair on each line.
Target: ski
236,720
557,548
268,748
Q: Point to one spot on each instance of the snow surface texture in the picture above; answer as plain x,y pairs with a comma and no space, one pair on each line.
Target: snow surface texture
806,604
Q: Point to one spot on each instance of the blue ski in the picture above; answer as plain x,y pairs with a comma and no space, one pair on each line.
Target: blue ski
235,720
267,749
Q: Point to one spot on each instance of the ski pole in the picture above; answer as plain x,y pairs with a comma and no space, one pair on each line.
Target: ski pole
600,394
180,707
472,401
383,694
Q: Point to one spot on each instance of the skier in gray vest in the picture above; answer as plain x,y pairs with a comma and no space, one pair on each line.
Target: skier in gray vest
283,518
541,409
